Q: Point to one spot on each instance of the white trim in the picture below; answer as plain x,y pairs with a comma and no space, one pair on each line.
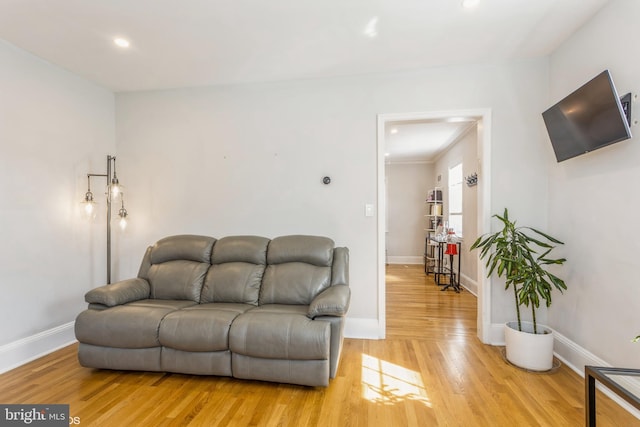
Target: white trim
25,350
496,334
359,328
382,235
408,162
576,357
485,328
469,284
407,259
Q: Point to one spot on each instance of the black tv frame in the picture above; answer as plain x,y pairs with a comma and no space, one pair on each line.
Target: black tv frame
560,128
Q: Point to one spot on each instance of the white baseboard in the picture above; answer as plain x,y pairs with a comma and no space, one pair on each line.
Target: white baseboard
496,334
367,329
25,350
405,259
469,284
576,358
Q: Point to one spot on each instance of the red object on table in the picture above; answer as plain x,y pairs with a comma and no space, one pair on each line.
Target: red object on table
452,249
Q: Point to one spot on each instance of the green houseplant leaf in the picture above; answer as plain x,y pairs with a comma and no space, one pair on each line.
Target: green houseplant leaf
513,254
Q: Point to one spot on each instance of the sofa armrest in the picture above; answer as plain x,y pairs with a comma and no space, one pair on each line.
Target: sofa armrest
333,301
340,267
119,293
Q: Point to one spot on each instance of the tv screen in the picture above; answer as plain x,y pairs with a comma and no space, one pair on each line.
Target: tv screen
589,118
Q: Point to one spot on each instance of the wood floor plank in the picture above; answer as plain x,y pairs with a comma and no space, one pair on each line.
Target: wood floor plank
430,371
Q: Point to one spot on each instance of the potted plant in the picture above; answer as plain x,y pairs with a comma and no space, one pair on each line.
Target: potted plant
523,259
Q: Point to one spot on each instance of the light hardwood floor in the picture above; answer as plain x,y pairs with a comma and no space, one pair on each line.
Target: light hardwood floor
430,371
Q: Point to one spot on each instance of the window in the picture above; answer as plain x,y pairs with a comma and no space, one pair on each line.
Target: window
455,198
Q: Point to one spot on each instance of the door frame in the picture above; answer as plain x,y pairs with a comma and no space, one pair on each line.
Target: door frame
483,116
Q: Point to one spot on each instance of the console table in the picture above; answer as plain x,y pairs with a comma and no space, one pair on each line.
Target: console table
454,279
607,377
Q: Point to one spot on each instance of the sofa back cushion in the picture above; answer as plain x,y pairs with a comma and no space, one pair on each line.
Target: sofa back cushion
237,268
176,266
298,269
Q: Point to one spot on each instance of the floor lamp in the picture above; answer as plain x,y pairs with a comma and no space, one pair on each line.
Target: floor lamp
113,191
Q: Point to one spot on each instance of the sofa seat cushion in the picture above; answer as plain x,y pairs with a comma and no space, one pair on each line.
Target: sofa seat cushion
133,325
200,328
277,335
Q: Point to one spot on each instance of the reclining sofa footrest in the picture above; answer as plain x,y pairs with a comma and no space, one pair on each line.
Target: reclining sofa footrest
314,373
125,359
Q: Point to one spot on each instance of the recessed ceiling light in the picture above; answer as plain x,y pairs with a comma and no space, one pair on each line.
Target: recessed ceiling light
468,4
371,30
120,42
394,130
387,154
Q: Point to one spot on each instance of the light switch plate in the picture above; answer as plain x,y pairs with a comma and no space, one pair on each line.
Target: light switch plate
368,209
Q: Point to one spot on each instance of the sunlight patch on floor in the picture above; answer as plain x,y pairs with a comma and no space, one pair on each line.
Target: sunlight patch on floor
388,383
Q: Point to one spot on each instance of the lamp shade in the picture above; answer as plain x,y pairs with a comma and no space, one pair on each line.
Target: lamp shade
89,205
452,249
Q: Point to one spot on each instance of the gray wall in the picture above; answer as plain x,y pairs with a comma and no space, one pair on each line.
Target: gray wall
593,201
54,128
407,186
465,151
249,159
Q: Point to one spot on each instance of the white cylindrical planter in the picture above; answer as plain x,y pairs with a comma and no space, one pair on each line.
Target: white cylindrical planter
528,350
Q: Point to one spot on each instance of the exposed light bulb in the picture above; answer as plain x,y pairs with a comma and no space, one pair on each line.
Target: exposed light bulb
89,205
116,187
122,213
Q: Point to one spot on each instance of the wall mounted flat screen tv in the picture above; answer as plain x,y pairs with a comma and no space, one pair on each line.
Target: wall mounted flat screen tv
589,118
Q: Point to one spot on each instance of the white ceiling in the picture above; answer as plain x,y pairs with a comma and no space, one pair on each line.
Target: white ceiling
191,43
423,140
205,42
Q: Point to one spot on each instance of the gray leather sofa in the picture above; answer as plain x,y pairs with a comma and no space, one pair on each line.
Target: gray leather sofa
241,306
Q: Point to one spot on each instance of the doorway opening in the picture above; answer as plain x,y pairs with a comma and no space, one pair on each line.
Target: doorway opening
482,120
